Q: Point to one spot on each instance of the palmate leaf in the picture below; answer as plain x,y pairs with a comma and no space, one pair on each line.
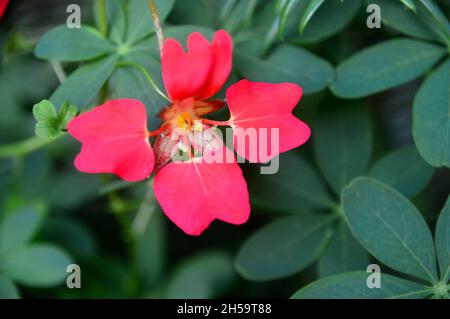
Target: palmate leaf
403,170
443,241
127,82
396,16
343,144
329,19
81,87
118,21
240,17
383,66
438,17
73,45
284,9
284,247
50,123
139,18
389,227
295,188
287,64
116,15
318,19
310,10
352,285
344,253
431,119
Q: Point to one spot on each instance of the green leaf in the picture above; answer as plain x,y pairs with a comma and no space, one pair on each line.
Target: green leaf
151,245
46,130
294,188
343,144
389,226
285,9
127,82
66,113
117,18
443,241
409,4
44,110
70,235
353,285
403,170
397,17
37,266
331,18
240,16
51,123
343,254
73,45
70,189
287,64
438,17
310,10
203,276
431,118
384,66
17,229
284,247
179,33
81,87
139,19
7,289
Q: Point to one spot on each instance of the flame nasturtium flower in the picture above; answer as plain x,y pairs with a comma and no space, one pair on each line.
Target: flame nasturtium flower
3,5
195,192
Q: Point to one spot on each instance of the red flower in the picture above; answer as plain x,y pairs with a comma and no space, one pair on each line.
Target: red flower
209,184
3,5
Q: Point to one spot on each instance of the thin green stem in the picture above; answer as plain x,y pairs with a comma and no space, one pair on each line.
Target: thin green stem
144,71
102,18
156,23
25,147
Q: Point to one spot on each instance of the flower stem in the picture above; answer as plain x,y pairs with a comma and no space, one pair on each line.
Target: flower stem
25,147
146,74
59,71
156,23
102,19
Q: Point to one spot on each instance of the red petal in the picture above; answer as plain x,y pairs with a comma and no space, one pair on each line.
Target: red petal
114,140
3,4
194,194
200,72
257,106
222,51
185,73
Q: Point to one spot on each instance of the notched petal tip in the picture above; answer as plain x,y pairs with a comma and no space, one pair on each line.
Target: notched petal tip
114,140
262,112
